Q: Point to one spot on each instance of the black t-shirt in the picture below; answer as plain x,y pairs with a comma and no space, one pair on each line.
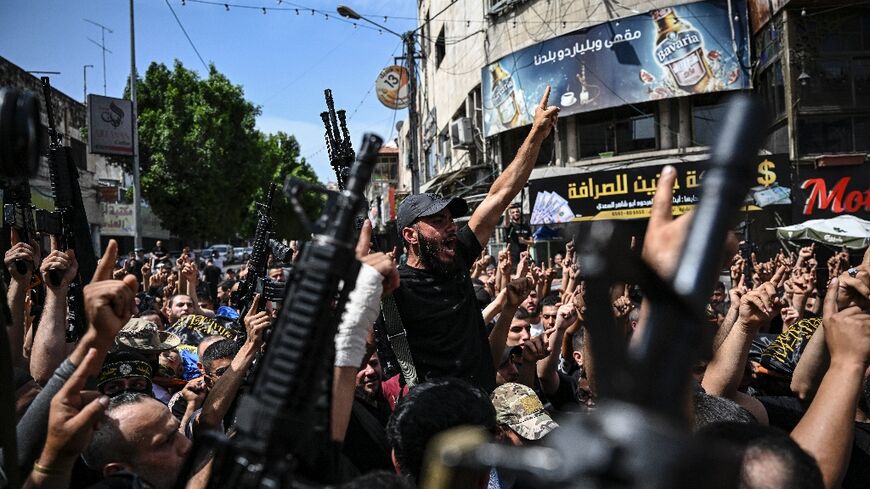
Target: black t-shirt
159,252
514,232
785,413
443,321
212,274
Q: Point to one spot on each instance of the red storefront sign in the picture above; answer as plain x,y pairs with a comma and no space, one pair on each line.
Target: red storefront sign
829,192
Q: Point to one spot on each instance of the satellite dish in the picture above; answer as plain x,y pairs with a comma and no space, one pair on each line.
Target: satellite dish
399,126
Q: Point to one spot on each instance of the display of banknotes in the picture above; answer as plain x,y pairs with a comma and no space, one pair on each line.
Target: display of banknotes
551,208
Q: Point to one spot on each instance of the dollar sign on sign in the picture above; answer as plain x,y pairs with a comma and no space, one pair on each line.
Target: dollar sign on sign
765,176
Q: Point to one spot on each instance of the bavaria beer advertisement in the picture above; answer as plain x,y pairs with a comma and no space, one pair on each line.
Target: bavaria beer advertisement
665,53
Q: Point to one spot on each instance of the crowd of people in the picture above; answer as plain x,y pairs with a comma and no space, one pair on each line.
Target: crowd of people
500,342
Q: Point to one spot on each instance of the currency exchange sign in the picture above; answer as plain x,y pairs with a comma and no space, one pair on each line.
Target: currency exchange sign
667,52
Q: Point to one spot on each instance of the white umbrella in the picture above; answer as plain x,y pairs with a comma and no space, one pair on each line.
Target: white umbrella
848,231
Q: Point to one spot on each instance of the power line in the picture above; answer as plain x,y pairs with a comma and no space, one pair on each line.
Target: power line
189,40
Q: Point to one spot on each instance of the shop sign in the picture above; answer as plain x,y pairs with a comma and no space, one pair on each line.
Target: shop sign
669,52
628,193
110,125
829,192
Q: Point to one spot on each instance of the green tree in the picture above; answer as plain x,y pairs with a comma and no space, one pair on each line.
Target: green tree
281,155
201,156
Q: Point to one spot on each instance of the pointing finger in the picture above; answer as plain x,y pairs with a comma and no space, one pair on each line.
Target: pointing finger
107,262
545,98
661,212
830,306
365,239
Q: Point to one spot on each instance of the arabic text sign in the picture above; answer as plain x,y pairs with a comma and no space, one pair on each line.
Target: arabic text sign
628,193
669,52
118,221
110,125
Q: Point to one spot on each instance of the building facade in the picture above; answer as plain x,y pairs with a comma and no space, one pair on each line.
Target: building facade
641,84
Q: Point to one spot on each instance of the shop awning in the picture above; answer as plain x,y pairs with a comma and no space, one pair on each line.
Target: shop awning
848,231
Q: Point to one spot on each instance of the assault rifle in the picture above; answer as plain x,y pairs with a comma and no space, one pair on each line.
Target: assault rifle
68,222
338,143
18,214
276,436
254,281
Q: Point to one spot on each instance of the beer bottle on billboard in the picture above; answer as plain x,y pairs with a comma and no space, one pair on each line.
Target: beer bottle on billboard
680,47
504,96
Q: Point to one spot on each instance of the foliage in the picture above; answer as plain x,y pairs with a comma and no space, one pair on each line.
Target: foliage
203,162
282,154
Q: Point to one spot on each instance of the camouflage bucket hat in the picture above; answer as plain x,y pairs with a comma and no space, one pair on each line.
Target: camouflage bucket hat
144,335
518,407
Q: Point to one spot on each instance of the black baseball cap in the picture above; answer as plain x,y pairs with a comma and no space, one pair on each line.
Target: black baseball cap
416,206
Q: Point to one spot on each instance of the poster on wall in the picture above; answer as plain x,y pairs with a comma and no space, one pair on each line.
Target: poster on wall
669,52
627,193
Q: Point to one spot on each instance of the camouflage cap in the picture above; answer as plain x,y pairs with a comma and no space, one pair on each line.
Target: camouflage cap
518,407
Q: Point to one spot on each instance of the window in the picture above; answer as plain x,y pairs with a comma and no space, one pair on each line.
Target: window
621,130
634,130
777,140
706,120
440,49
771,89
431,161
829,83
826,134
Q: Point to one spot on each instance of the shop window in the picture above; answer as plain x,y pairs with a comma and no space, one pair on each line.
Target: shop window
828,134
706,120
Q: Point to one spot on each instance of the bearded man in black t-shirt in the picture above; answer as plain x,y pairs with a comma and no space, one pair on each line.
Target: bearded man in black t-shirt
435,298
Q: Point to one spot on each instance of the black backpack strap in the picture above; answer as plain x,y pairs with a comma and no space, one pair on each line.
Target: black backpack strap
398,340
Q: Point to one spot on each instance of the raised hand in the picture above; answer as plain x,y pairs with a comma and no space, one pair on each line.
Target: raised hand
758,307
854,286
847,331
24,253
109,303
664,234
73,416
566,316
58,260
535,349
789,316
623,305
256,323
545,115
517,291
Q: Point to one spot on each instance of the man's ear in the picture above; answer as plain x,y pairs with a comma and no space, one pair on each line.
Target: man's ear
410,235
578,357
115,467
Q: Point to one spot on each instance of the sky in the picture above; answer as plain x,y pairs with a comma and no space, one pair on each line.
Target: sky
282,60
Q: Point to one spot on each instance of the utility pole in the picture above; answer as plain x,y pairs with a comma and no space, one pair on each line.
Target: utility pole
137,197
85,71
413,122
102,46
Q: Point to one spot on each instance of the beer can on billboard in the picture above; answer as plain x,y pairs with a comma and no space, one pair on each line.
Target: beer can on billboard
392,87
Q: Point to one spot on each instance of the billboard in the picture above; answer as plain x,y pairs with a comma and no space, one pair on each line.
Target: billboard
110,125
627,193
669,52
118,221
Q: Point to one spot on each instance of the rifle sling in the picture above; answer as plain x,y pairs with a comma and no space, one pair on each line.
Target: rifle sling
398,340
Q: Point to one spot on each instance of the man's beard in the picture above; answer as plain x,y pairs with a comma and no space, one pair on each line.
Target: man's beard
429,251
370,397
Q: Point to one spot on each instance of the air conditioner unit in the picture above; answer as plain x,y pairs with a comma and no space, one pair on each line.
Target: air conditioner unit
461,134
